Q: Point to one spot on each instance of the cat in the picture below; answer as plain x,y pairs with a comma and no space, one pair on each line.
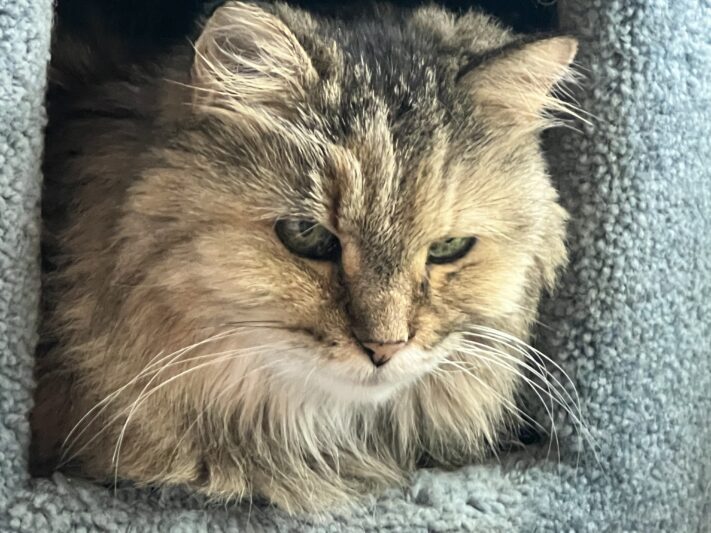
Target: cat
296,259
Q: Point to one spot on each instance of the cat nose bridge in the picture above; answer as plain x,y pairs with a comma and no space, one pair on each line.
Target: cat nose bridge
380,315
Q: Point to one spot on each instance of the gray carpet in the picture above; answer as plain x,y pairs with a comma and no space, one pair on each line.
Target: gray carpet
631,321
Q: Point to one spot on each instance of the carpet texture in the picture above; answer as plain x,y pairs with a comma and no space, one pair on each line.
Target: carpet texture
630,322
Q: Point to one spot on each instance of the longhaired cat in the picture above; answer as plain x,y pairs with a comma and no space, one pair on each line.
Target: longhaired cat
298,258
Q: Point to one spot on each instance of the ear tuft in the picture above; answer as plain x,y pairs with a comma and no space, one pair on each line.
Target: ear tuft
246,56
519,85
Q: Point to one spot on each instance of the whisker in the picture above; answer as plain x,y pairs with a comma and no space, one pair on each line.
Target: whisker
578,420
522,362
109,423
520,375
240,326
556,397
143,396
152,363
539,366
511,406
219,396
549,409
554,394
516,340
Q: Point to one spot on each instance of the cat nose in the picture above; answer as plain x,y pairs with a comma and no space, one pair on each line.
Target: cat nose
381,352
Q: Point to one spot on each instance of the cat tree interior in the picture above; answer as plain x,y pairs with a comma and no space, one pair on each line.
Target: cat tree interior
630,320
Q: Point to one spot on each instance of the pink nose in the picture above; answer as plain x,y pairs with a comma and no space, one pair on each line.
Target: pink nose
381,352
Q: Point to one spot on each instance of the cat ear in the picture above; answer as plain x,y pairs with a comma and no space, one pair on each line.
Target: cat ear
518,86
246,56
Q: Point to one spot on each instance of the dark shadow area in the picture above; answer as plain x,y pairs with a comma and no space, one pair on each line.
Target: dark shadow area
160,22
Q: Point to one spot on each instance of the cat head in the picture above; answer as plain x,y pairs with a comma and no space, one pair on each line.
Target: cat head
357,198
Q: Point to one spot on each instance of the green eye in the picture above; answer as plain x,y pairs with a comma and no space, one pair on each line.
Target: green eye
308,239
449,250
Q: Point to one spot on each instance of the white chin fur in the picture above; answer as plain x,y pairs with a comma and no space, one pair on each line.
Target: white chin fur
355,380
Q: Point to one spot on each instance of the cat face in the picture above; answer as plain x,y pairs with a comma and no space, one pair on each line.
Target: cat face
364,208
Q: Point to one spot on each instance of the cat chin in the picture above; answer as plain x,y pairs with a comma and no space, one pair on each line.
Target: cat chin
356,381
354,393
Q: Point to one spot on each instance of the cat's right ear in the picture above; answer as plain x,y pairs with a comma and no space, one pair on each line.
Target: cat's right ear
248,58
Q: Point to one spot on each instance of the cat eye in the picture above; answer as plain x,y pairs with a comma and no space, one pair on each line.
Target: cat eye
308,239
449,250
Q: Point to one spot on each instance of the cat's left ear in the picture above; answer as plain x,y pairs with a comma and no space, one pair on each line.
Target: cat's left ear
247,57
517,85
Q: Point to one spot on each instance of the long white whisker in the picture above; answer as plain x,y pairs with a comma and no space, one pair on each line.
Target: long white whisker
247,351
219,396
143,395
561,402
152,363
515,340
523,362
483,356
510,406
539,373
557,397
506,339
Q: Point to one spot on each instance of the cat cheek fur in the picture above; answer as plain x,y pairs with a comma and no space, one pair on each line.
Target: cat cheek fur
203,351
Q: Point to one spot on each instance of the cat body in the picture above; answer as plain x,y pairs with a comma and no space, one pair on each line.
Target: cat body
198,339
